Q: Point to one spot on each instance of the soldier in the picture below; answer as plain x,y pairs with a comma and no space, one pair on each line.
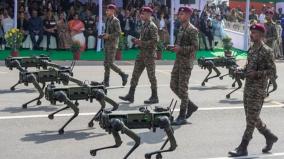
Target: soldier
271,35
111,38
148,43
260,67
185,48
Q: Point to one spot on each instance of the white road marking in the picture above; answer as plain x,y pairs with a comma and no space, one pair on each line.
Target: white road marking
3,72
93,113
253,156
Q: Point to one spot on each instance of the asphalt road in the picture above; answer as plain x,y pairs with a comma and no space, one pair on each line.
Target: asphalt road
212,131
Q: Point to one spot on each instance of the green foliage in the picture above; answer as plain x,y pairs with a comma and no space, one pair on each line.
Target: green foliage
121,44
227,43
75,47
14,38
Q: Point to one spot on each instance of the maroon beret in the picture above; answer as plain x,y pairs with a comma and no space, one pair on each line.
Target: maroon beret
258,27
185,9
147,9
111,6
269,11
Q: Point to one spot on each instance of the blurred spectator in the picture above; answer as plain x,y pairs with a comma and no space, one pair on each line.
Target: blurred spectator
253,15
71,13
7,21
218,29
64,37
127,26
77,28
49,27
163,30
206,31
282,35
194,19
36,29
23,25
262,17
137,25
1,31
90,26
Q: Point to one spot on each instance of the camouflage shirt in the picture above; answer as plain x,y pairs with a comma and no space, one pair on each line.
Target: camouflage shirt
187,39
260,59
149,39
112,28
271,32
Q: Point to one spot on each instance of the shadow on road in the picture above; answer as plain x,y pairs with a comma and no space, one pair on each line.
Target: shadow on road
204,88
33,108
231,101
47,136
151,137
5,91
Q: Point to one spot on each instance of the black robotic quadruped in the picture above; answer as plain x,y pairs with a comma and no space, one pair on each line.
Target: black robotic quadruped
145,118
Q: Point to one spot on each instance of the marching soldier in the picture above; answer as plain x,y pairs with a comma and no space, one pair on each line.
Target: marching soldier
148,43
111,39
185,48
260,67
271,35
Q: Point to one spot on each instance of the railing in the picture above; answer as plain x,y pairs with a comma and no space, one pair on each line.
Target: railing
235,26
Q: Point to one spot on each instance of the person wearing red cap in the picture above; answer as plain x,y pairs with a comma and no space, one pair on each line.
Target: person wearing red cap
271,32
259,68
146,59
111,39
185,47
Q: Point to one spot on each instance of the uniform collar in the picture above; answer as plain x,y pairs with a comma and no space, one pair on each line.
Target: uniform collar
110,18
258,45
147,22
185,25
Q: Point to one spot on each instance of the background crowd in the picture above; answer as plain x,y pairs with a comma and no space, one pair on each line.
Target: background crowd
50,18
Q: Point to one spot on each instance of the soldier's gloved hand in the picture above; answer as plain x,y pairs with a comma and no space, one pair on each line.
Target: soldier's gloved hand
176,48
252,75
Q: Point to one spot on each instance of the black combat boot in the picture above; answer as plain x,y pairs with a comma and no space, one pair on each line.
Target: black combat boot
124,78
270,140
130,96
181,119
106,82
241,150
153,99
191,108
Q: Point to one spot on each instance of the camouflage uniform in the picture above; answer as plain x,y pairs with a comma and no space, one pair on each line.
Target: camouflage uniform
260,67
271,35
111,45
260,59
187,39
146,58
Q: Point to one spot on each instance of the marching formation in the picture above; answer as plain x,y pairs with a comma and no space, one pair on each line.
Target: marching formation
259,74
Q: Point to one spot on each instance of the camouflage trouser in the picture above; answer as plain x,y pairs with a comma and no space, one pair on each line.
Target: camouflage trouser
252,106
139,67
108,63
272,45
179,83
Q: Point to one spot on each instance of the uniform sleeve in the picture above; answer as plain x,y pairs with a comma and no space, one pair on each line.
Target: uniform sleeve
193,43
270,72
275,35
154,38
116,32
